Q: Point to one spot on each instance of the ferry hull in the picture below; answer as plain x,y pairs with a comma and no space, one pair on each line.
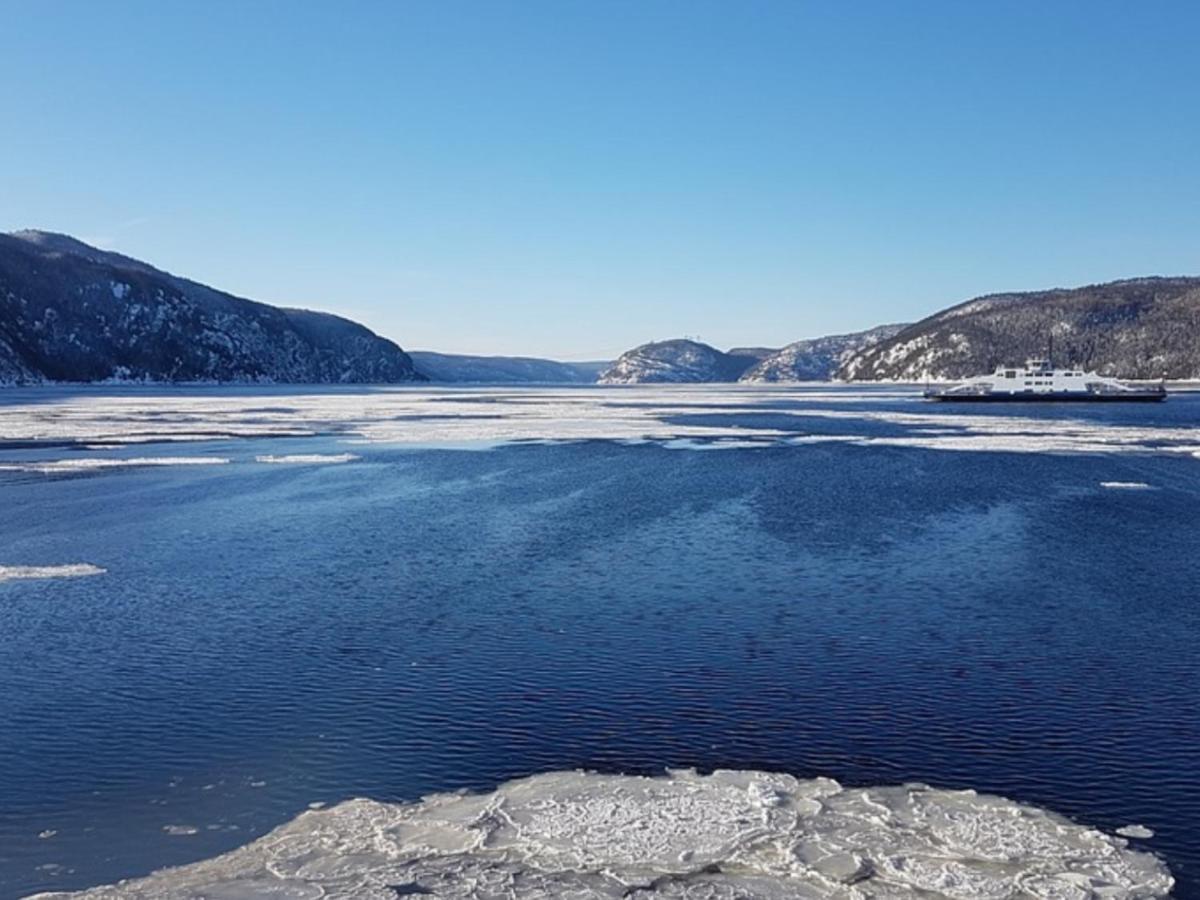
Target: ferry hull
1046,397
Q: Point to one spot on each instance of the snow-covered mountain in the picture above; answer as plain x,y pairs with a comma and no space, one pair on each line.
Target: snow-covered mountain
1138,328
817,359
451,367
678,361
72,312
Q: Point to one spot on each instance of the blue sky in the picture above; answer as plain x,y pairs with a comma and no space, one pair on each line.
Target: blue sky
573,178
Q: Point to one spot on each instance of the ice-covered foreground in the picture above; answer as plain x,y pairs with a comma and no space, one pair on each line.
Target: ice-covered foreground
725,835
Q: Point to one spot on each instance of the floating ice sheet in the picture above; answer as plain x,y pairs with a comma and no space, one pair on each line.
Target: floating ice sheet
1136,831
691,417
725,835
73,570
85,464
312,459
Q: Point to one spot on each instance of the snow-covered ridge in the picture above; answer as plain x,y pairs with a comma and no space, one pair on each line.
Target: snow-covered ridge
726,835
75,313
676,362
691,362
1140,328
817,359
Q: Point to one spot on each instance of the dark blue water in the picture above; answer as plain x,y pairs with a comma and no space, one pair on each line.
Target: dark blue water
421,620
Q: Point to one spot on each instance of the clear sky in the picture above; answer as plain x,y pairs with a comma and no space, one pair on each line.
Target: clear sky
572,178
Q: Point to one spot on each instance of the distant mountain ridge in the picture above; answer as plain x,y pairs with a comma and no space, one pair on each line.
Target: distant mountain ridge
73,312
70,312
462,369
688,362
1135,328
1138,328
680,361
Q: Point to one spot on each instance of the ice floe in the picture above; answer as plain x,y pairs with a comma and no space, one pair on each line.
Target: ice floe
725,835
84,464
1136,831
730,443
308,458
73,570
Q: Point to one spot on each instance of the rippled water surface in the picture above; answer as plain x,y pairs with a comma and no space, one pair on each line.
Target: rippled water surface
385,594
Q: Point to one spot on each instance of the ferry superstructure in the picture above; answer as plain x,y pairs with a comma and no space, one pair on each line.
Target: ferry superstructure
1038,380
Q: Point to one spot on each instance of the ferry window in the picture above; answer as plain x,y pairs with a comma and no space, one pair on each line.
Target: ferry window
1010,374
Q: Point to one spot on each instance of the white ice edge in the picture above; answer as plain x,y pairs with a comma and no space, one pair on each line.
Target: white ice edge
1136,831
72,570
729,834
84,464
307,458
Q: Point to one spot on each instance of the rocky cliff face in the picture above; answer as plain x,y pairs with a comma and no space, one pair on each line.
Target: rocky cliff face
818,359
451,367
12,368
676,362
71,312
1139,328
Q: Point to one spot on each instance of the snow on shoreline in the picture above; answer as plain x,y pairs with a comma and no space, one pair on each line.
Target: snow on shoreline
728,834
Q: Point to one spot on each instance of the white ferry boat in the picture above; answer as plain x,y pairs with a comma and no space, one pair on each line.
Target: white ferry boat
1038,380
